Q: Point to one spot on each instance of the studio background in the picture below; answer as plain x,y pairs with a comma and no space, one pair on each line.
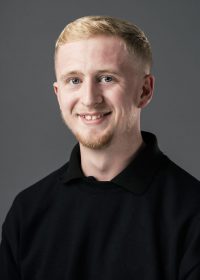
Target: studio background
34,141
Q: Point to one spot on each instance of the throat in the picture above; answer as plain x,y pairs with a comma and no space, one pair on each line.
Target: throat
107,164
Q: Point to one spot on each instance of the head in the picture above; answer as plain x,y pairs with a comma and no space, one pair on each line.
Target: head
102,66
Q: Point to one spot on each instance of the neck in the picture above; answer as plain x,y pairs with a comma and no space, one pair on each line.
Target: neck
106,163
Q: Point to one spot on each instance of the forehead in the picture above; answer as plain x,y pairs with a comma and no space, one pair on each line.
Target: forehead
88,54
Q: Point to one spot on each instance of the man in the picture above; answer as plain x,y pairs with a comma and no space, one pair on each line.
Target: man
120,208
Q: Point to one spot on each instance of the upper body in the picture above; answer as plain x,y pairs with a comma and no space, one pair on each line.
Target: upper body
119,208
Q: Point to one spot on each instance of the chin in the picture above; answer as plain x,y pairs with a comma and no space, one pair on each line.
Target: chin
95,143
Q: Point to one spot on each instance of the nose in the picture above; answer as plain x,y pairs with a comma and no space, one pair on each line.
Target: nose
91,95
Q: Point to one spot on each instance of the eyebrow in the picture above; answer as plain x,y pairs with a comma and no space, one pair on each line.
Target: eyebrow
109,71
70,73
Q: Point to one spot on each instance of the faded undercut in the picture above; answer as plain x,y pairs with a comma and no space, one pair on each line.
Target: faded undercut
90,26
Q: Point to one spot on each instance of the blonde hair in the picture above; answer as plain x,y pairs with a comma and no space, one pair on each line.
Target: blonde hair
90,26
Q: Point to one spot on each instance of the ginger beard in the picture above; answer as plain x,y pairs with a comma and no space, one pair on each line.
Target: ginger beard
95,142
92,139
96,139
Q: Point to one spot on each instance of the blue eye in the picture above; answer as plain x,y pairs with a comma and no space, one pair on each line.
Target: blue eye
106,79
74,81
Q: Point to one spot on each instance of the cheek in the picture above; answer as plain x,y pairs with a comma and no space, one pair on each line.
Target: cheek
134,91
67,103
123,102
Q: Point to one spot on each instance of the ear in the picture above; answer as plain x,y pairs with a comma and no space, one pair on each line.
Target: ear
55,87
56,91
147,91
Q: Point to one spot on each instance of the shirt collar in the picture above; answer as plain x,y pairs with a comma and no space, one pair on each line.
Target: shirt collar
136,177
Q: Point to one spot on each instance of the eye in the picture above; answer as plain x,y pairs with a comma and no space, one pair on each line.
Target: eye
74,81
106,79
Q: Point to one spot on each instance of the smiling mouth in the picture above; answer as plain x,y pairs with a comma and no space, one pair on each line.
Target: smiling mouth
93,117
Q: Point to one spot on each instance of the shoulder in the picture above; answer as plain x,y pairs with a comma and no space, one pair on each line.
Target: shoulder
31,202
40,192
178,188
177,175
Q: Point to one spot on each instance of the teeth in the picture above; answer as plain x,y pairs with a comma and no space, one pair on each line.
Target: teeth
87,117
94,117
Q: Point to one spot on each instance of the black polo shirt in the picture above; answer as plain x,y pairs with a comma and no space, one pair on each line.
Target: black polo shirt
144,224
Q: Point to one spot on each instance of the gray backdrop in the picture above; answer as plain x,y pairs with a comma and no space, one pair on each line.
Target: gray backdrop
34,141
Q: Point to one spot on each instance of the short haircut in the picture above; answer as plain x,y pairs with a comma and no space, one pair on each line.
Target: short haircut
86,27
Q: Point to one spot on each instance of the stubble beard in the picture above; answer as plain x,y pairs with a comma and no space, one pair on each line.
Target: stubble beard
94,141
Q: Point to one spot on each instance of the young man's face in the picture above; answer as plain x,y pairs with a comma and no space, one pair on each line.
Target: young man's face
100,89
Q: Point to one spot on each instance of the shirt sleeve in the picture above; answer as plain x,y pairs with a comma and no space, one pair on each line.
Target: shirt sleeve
190,262
9,247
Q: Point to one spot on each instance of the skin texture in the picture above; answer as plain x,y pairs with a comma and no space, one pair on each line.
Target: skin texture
101,90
